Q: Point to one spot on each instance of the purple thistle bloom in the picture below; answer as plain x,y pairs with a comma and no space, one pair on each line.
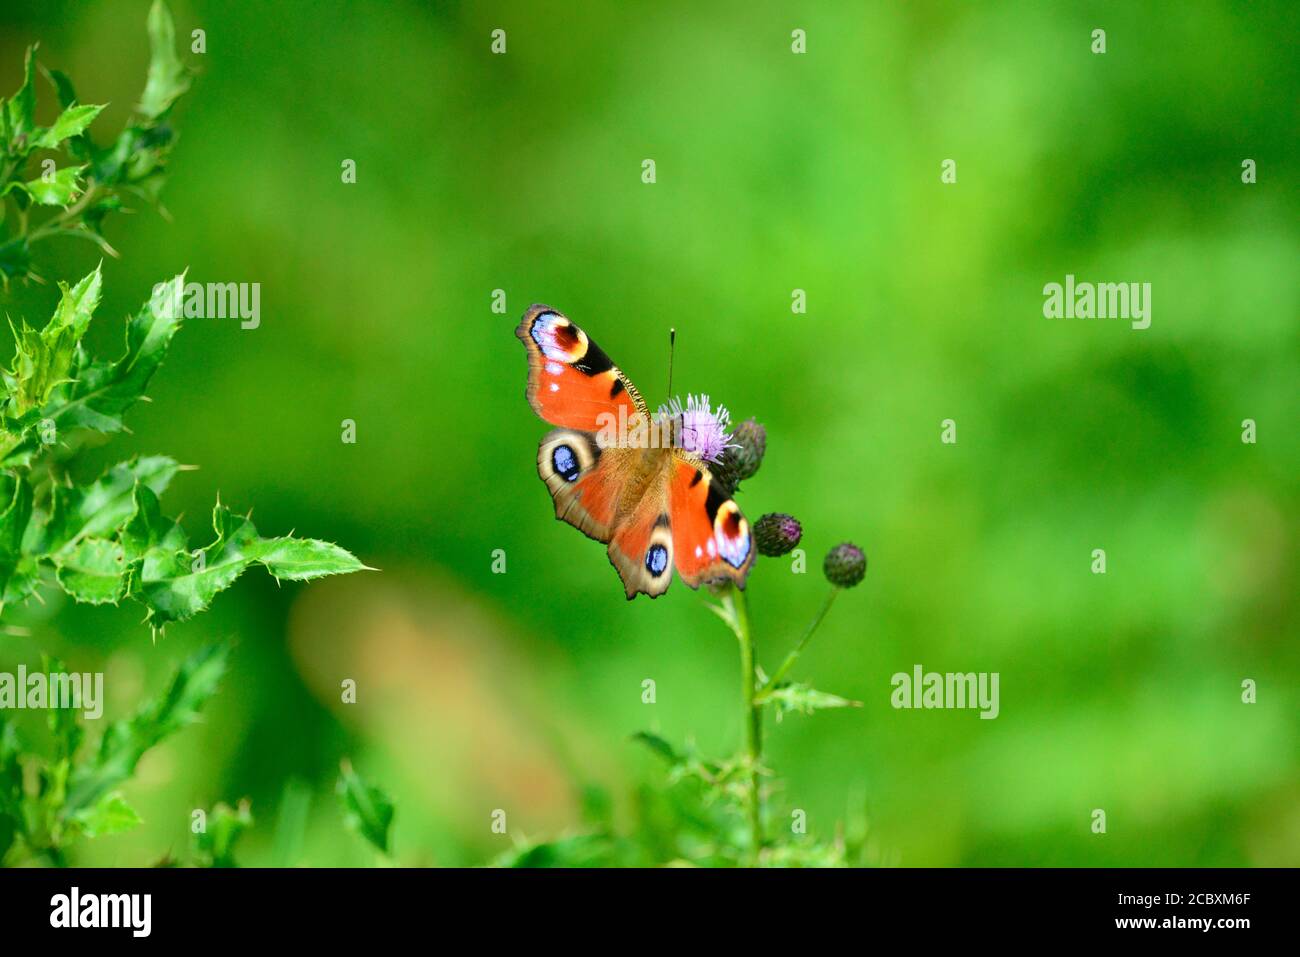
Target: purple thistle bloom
699,428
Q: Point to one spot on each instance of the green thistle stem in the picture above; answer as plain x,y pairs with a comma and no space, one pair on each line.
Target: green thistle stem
793,656
737,613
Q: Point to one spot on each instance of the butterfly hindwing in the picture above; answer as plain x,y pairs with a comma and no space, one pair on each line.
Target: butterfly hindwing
642,547
590,486
584,480
711,537
571,381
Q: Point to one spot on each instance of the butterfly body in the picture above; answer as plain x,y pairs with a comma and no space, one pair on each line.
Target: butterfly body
622,476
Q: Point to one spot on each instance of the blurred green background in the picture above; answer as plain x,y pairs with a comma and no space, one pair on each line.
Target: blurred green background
775,171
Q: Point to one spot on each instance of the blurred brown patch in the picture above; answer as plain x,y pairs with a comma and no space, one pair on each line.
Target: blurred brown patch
443,690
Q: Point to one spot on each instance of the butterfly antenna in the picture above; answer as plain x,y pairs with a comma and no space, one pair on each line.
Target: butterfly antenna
672,340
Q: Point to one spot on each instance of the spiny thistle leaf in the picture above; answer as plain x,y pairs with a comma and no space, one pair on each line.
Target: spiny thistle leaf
21,109
71,122
168,77
16,501
90,181
107,504
791,697
57,190
302,559
103,391
175,583
125,741
94,571
43,361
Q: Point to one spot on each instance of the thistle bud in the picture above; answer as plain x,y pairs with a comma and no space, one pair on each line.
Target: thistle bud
775,534
845,565
749,442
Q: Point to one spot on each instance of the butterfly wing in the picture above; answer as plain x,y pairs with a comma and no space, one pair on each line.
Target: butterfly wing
571,381
604,494
641,548
711,538
584,480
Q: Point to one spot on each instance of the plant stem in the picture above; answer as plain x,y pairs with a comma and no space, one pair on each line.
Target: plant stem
793,656
751,714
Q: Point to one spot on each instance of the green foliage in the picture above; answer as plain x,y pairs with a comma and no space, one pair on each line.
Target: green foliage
696,818
366,809
51,797
789,697
90,181
107,540
214,846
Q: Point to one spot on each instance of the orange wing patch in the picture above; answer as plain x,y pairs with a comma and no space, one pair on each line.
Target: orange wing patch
642,549
571,381
711,539
583,479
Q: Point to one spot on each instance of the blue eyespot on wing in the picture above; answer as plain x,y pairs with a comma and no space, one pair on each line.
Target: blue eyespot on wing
565,462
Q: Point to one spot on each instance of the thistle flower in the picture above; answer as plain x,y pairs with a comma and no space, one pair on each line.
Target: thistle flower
776,533
845,565
698,428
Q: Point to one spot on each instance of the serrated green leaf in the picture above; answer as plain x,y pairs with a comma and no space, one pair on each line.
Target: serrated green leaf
366,809
94,571
125,741
71,122
787,698
104,391
175,583
16,499
57,190
106,505
44,361
76,307
302,559
109,815
79,146
147,529
168,78
21,109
